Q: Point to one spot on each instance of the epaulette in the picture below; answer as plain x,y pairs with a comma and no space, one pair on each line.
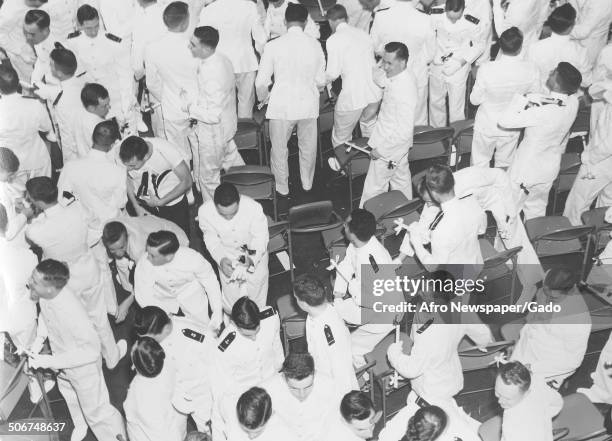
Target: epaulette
58,98
373,264
190,333
58,45
466,196
329,336
81,74
421,402
69,197
265,313
74,34
381,10
436,11
229,338
29,97
113,37
472,19
425,326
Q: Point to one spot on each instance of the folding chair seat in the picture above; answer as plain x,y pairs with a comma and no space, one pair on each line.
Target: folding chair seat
582,419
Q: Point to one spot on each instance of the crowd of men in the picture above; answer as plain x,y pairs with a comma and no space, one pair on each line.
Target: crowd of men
117,115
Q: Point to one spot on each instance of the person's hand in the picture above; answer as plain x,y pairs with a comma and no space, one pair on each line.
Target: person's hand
140,211
215,322
122,310
42,361
153,201
226,267
395,349
239,274
24,208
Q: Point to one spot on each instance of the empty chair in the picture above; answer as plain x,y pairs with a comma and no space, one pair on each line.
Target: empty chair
250,137
429,147
496,264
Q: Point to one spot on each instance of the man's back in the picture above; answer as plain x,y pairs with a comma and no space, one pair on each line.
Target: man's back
548,53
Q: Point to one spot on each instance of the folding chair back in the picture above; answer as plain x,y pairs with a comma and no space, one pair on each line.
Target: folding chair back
313,217
582,419
250,137
569,167
293,320
280,240
255,181
597,219
473,359
431,146
462,143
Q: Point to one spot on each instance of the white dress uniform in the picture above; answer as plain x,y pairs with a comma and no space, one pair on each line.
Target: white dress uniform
184,283
592,25
238,22
84,123
463,40
601,390
12,39
392,137
329,343
403,23
367,336
149,412
42,66
548,53
106,60
148,26
554,345
594,178
76,349
17,311
274,23
361,18
10,194
48,231
532,417
63,17
350,55
537,161
433,366
527,15
309,419
214,109
297,62
226,238
274,430
20,121
495,86
171,70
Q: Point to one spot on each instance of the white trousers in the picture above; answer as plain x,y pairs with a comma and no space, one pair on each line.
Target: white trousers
420,111
485,146
345,122
255,287
380,178
534,204
245,93
179,133
440,86
87,399
584,191
280,132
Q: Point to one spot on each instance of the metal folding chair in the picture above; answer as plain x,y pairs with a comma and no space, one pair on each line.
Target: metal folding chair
462,144
473,359
581,419
255,181
280,240
429,147
250,137
353,164
496,264
293,320
570,165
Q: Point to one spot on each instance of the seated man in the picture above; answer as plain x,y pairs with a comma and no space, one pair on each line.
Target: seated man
357,419
554,344
427,422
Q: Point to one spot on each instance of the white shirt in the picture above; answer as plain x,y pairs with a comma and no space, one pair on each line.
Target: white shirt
99,184
592,24
63,17
350,55
275,430
274,23
394,129
538,157
185,282
361,18
12,40
216,100
548,53
237,22
464,39
495,86
308,420
171,70
403,23
297,62
527,15
329,343
20,121
148,27
42,67
10,193
84,123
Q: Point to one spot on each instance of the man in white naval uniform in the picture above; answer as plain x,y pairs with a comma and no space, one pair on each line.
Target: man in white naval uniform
95,109
527,15
593,25
12,38
357,419
350,56
274,23
235,231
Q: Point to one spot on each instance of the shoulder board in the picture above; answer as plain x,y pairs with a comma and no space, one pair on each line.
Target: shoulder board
329,336
436,11
373,264
81,74
229,338
113,37
471,19
381,9
421,402
58,98
74,34
29,97
425,326
456,438
267,312
466,196
194,335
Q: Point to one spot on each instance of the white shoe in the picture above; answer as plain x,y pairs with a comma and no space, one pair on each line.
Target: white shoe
333,164
78,433
34,389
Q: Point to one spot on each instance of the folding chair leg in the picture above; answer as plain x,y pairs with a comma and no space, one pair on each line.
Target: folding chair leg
289,242
349,173
274,204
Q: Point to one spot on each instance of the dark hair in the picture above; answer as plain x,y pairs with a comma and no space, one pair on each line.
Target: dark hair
150,320
87,13
439,178
514,372
9,162
54,273
560,279
226,194
309,289
133,147
426,424
112,232
92,93
38,17
296,12
165,241
42,189
64,60
245,313
3,219
511,41
454,5
207,35
568,77
356,405
105,133
194,435
336,12
399,49
254,408
562,19
148,357
362,224
175,14
298,365
9,80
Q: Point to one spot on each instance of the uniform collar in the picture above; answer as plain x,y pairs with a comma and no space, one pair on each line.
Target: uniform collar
342,26
445,205
52,210
554,36
559,95
98,154
295,29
